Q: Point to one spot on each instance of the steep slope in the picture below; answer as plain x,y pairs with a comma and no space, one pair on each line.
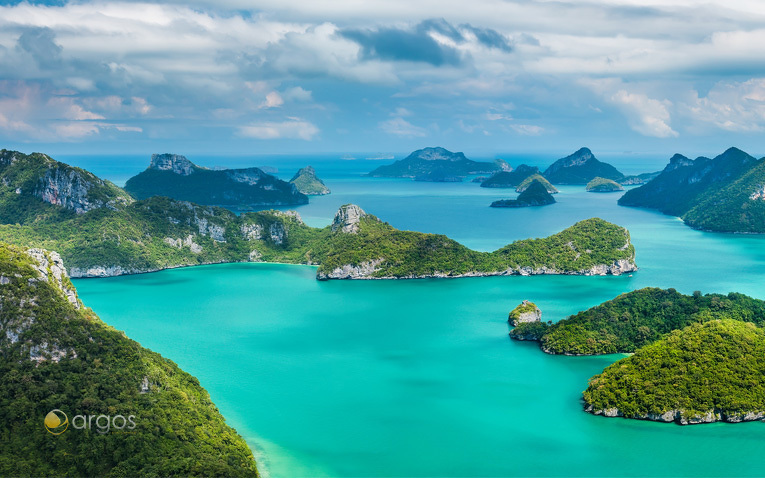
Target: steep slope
580,167
434,163
727,184
638,318
535,194
510,179
306,181
536,177
150,418
178,178
703,373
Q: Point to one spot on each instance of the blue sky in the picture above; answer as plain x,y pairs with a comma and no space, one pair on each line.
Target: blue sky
293,76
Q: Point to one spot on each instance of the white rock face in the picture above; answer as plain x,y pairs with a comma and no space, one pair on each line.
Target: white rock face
530,316
57,272
277,233
758,194
70,188
681,417
188,242
347,219
172,162
361,271
252,232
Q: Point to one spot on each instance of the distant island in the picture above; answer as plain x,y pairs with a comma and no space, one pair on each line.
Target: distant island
59,356
434,164
536,177
534,195
704,373
510,179
176,177
603,185
580,167
307,183
723,194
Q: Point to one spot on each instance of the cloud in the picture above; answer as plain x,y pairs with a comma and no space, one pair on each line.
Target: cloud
401,127
730,106
290,129
40,44
273,100
527,129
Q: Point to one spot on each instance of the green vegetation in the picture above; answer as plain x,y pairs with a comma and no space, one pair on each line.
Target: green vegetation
603,185
57,354
178,178
724,194
704,372
510,179
306,182
641,317
160,232
535,194
433,163
536,177
525,312
580,167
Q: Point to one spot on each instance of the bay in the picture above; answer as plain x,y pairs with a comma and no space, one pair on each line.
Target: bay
419,377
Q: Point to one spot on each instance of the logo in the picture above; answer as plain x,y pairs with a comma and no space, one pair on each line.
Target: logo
56,422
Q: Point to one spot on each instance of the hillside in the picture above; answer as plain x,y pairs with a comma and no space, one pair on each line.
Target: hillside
723,194
535,194
632,320
178,178
434,164
580,167
510,179
536,177
703,373
159,232
306,181
58,355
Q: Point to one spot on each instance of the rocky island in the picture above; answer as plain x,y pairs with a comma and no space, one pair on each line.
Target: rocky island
535,194
603,185
124,236
723,194
306,181
434,164
176,177
58,355
536,177
580,167
704,373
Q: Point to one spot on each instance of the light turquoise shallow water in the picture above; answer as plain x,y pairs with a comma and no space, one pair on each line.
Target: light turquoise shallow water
419,378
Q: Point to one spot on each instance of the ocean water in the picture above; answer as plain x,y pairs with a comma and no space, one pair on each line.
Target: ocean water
419,377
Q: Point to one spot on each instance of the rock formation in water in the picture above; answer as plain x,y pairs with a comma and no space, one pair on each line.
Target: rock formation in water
308,183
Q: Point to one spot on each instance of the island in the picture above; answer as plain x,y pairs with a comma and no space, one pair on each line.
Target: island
536,177
101,231
638,179
60,360
703,373
534,195
525,312
638,318
307,183
435,164
510,179
176,177
603,185
723,194
580,167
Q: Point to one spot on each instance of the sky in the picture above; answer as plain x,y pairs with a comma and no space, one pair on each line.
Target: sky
300,76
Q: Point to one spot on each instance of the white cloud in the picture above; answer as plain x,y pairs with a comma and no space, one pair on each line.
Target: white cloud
527,129
290,129
401,127
647,116
730,106
273,100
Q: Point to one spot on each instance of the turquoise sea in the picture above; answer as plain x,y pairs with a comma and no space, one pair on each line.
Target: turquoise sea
419,377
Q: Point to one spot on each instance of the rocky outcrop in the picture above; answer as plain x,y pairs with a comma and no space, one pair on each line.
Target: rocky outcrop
682,417
172,162
72,189
348,271
525,312
187,242
51,269
347,219
306,181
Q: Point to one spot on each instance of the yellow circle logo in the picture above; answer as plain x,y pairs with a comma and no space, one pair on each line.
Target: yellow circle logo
56,422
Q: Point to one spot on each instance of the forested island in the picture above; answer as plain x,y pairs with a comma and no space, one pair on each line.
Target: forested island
723,194
100,230
178,178
58,355
435,164
535,194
